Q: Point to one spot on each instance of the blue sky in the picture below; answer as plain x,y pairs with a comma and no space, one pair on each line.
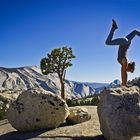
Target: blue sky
29,29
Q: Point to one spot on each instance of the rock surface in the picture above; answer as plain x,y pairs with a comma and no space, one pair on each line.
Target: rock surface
89,130
78,115
37,109
119,113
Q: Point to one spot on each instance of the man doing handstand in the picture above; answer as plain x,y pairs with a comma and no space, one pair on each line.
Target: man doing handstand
124,44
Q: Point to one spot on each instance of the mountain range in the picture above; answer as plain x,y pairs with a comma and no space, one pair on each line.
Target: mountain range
28,77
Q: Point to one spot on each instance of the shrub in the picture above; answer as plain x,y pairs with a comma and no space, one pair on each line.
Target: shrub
82,102
3,109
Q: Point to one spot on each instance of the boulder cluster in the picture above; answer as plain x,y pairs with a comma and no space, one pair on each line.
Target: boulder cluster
118,111
40,109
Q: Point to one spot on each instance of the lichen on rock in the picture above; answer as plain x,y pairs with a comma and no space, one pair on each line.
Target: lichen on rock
37,109
119,113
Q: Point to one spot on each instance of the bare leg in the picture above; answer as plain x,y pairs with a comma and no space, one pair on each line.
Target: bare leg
133,34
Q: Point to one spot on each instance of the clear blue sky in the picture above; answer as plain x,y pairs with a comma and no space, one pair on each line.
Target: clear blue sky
29,29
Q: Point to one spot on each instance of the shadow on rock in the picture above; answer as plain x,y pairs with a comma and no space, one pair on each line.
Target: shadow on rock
35,134
21,135
99,137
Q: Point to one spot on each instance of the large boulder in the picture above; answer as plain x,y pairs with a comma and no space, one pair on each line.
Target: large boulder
119,113
37,109
78,115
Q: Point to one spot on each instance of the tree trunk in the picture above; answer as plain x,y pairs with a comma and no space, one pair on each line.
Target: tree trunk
62,89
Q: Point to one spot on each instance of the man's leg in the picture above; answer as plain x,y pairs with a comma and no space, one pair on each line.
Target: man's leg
133,34
118,41
110,37
124,71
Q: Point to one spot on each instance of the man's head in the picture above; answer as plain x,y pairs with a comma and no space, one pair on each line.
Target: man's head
131,67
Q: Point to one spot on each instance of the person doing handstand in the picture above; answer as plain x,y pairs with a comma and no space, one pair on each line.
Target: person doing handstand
124,44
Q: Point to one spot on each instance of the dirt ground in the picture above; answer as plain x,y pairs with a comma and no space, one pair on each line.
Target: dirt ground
89,130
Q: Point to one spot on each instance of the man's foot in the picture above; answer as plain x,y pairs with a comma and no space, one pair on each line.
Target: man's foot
114,24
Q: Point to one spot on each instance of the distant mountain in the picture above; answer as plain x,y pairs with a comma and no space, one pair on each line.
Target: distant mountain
97,85
115,83
24,78
100,86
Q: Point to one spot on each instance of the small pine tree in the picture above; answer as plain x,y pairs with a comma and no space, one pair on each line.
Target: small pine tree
3,109
69,102
95,100
57,62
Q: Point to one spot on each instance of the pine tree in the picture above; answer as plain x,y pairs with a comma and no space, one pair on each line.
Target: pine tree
57,62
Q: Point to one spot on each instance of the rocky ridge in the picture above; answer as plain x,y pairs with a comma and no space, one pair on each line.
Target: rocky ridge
19,79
